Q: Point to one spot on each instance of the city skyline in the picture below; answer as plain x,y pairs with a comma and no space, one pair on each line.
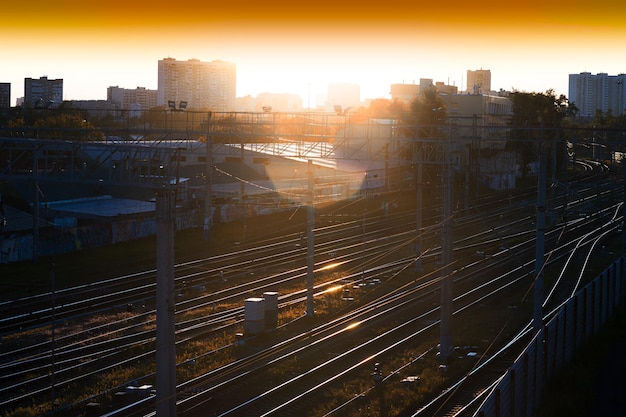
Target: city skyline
279,48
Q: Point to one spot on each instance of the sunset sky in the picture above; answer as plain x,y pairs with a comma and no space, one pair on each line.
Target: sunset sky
301,47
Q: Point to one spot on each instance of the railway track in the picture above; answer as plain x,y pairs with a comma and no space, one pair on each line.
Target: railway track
344,247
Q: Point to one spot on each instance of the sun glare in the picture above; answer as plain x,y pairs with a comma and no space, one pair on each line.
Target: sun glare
353,325
333,289
330,266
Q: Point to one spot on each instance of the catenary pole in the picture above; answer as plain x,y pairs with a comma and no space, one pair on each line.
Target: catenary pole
540,241
310,223
208,222
445,338
165,319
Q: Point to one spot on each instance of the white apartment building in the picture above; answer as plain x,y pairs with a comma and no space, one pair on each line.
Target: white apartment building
203,85
597,92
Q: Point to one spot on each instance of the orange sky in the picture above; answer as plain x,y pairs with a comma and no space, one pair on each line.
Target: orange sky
157,13
291,45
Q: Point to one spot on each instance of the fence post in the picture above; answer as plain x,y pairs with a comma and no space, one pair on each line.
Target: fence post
525,382
512,395
497,403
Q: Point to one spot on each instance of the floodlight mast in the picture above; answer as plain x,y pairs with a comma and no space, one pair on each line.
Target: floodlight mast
182,105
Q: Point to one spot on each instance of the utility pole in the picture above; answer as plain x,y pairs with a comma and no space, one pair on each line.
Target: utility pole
166,303
242,192
624,211
386,178
418,208
208,222
36,202
554,146
310,223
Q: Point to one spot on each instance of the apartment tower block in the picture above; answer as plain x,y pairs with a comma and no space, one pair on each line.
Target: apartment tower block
597,92
202,85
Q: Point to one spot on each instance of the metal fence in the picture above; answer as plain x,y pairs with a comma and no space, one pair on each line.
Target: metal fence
518,393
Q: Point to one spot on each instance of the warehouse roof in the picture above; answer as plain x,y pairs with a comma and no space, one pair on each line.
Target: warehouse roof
15,220
103,206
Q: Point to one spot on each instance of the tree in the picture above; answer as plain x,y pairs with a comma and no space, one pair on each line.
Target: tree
424,114
380,108
67,126
536,117
55,123
539,109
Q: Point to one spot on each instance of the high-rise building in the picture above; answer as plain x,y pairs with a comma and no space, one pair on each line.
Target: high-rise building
478,81
43,92
5,95
597,92
125,98
202,85
342,96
